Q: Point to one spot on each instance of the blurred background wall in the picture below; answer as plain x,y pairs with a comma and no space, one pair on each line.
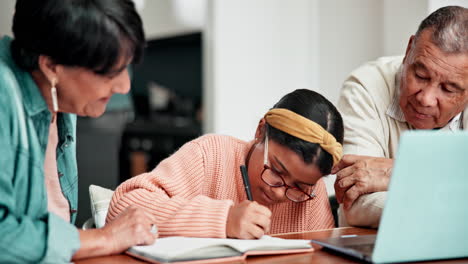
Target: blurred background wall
247,54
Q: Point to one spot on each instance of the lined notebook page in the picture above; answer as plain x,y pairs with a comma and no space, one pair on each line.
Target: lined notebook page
172,247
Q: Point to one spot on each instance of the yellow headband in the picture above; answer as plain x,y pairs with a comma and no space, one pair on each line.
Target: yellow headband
305,129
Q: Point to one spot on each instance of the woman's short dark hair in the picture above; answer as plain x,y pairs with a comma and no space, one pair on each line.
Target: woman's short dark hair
94,34
317,108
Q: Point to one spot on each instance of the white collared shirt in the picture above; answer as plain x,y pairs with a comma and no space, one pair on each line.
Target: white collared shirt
374,123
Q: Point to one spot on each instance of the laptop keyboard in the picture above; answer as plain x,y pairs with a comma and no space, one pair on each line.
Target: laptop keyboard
366,249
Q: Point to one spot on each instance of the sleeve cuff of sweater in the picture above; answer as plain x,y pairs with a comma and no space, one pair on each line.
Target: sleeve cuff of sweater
207,220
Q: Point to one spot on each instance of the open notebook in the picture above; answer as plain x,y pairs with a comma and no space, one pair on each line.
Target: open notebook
206,250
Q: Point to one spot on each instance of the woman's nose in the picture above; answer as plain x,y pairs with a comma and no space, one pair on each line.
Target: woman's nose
121,88
122,83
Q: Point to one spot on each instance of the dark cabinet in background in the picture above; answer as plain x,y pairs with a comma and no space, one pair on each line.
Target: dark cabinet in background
144,144
159,115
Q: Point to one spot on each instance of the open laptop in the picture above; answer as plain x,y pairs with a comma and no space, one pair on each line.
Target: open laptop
426,212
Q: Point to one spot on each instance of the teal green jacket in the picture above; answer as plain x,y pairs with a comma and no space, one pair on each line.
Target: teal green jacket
28,232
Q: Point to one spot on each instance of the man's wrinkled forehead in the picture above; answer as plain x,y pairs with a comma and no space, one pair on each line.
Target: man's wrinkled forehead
426,56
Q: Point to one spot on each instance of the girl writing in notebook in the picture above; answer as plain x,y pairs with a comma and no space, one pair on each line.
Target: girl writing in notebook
199,191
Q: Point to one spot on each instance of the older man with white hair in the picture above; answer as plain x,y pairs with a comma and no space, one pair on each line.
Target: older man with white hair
425,89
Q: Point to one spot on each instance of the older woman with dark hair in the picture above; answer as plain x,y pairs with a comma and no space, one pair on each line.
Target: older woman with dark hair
67,58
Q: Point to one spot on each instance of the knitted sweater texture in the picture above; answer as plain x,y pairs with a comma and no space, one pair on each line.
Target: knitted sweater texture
190,193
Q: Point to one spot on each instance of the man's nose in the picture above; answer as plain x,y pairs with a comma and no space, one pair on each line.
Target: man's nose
427,97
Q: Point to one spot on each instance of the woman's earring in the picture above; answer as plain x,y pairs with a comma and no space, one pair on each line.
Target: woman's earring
53,92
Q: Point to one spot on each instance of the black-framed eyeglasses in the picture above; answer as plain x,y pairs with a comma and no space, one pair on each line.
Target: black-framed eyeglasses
274,179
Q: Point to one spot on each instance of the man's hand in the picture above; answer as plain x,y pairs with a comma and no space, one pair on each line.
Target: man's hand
358,175
248,220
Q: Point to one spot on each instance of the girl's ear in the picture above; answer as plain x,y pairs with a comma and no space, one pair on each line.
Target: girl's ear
260,133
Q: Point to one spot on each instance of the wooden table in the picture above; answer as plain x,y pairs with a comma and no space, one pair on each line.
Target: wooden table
318,256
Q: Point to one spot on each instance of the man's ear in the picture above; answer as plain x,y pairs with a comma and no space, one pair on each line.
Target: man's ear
408,47
48,67
260,133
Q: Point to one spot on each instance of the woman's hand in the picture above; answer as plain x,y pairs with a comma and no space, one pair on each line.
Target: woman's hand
132,227
248,220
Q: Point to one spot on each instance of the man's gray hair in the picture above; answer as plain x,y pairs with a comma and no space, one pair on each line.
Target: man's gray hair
450,28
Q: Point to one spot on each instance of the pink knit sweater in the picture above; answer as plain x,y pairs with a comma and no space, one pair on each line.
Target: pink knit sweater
190,192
